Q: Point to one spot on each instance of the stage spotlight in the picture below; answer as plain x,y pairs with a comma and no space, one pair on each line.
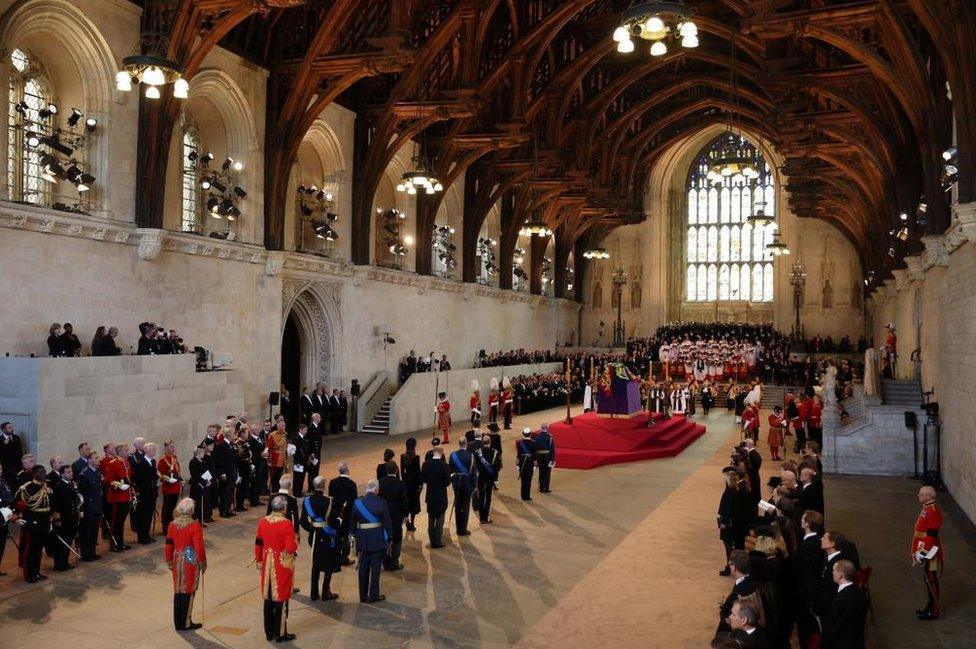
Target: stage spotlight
84,182
192,156
233,212
74,117
238,166
950,153
33,139
22,107
216,184
47,111
207,157
213,203
205,183
903,216
152,92
240,193
91,124
56,144
73,172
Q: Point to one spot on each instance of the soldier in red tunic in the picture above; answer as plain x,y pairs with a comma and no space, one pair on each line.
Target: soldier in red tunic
750,422
170,482
444,417
474,403
926,542
507,403
117,478
777,428
274,551
186,557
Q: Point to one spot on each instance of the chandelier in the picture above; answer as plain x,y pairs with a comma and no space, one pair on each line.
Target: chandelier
656,22
420,178
596,253
776,247
737,159
151,67
535,227
759,216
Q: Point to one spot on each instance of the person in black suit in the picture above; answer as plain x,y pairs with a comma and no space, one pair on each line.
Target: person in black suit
811,491
412,480
744,620
754,463
147,339
496,442
105,346
464,477
258,441
373,527
302,459
343,491
394,492
70,345
343,409
65,506
320,402
807,564
291,510
526,462
200,486
306,406
11,452
434,443
314,466
745,587
436,477
145,481
843,623
335,413
89,481
225,468
316,426
833,544
388,456
286,407
489,465
318,519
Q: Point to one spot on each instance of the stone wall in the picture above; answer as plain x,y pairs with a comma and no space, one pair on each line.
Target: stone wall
876,444
55,403
412,408
938,291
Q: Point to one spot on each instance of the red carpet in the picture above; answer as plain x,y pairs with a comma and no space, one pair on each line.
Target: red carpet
592,441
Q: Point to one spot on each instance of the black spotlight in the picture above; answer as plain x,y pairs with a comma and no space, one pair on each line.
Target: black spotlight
301,189
72,173
56,144
227,163
47,111
33,139
240,193
212,203
207,157
219,186
91,124
74,117
192,156
22,108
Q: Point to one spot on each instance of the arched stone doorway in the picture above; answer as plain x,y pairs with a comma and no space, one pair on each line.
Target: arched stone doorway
310,338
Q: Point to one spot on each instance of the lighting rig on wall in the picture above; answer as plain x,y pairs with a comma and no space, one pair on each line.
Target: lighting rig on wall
151,67
317,207
223,192
57,148
486,253
950,168
596,253
519,276
546,275
921,211
393,239
570,276
658,22
443,246
869,278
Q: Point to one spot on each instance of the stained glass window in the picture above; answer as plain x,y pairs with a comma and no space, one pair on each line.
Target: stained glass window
190,193
27,93
725,255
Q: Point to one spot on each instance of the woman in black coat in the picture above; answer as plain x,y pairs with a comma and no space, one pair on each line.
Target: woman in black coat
388,456
410,473
54,347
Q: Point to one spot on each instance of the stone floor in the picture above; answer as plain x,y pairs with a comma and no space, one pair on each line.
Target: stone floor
626,554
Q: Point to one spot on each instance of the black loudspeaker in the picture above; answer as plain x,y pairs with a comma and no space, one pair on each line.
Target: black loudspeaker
911,421
354,388
273,398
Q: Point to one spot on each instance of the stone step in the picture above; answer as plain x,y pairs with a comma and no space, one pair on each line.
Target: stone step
376,430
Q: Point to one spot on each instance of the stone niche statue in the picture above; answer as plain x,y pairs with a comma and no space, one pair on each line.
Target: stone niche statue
597,295
829,383
827,301
635,295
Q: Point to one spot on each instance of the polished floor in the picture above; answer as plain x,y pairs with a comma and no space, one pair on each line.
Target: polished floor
625,555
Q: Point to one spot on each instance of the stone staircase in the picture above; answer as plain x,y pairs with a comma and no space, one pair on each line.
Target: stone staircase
901,393
773,395
380,424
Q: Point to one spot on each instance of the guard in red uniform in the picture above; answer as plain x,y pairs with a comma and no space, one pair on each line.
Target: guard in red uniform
474,404
444,417
508,404
815,421
186,557
170,482
777,428
750,422
117,478
926,542
493,405
274,551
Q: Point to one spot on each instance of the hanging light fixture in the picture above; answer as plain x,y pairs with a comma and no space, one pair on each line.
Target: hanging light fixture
739,157
776,247
759,216
657,22
535,227
151,67
596,253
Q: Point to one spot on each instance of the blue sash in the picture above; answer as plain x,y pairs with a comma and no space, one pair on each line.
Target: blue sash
460,466
328,529
522,449
488,467
370,517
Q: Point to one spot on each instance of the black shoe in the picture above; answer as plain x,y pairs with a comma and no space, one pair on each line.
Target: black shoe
208,520
193,626
436,546
314,597
288,637
228,515
464,533
239,509
330,596
126,547
41,577
116,549
32,580
486,522
725,572
526,499
928,616
378,599
145,541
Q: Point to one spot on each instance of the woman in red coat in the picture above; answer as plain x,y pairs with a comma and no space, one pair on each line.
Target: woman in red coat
186,557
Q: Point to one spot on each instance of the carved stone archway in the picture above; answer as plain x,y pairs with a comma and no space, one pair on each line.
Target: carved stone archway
315,309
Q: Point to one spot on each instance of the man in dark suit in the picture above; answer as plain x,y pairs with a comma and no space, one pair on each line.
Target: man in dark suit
754,464
301,459
373,528
258,441
343,492
89,481
489,465
436,477
65,506
343,409
225,468
811,491
335,413
84,450
744,620
745,587
307,407
320,401
808,561
843,624
11,451
545,455
285,407
314,464
145,481
291,510
833,545
105,346
464,476
394,492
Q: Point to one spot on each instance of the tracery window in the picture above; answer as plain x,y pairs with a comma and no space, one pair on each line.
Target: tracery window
725,255
189,183
28,92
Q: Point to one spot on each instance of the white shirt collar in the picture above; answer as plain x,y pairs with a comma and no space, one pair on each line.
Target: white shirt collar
833,554
739,580
841,586
808,535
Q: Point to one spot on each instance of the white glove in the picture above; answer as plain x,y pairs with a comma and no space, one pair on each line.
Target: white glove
123,487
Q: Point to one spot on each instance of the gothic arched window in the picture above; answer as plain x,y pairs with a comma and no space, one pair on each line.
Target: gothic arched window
725,255
189,183
29,91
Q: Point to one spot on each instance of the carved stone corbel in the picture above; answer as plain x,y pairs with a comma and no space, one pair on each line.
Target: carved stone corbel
150,242
916,271
274,263
936,253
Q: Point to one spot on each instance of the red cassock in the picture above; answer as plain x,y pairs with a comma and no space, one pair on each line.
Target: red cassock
927,527
444,415
169,467
274,552
117,471
186,555
775,430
